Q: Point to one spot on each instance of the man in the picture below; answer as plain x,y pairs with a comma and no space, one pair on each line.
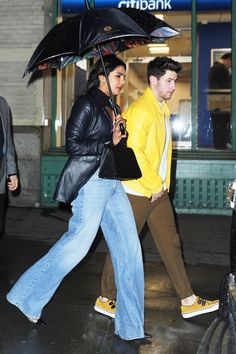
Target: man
149,130
8,170
220,79
219,75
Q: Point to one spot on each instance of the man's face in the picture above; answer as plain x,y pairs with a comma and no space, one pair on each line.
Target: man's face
165,86
228,63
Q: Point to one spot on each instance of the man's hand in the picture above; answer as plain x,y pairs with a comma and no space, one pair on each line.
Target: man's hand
12,183
156,196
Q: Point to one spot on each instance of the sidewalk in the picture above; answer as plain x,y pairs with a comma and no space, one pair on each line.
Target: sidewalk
205,238
73,326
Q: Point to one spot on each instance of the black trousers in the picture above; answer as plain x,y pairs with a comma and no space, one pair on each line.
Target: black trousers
3,204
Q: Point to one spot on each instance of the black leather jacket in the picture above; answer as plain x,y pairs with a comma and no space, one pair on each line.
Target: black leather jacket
88,129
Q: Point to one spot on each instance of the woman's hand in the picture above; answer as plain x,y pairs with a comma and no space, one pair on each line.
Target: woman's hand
117,135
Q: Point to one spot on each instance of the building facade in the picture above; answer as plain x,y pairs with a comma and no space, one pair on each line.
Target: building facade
22,26
41,103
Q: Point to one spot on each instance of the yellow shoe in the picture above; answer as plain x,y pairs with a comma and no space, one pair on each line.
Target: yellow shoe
107,308
199,307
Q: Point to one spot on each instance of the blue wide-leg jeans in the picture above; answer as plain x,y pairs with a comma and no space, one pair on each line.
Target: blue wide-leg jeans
99,202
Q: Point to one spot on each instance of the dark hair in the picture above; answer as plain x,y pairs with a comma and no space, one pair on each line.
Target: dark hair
226,56
158,66
111,62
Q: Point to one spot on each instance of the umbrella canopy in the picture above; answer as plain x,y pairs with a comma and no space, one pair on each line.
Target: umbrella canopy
96,32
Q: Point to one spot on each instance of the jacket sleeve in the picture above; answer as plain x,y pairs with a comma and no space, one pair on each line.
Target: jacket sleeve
138,125
10,150
77,140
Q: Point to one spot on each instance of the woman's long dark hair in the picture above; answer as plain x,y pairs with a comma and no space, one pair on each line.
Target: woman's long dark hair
111,62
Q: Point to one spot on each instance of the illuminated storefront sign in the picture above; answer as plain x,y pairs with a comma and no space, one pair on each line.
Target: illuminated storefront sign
74,6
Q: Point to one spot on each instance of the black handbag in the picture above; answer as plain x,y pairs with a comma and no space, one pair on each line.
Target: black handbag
119,163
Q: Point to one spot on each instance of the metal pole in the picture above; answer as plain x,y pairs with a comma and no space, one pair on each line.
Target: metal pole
54,87
233,97
194,74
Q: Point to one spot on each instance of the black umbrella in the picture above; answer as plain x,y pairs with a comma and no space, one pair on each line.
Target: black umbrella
108,30
95,33
220,337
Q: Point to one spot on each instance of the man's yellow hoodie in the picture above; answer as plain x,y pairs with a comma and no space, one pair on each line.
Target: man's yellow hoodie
147,133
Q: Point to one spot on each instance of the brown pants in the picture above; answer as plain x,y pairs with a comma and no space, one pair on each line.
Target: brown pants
160,220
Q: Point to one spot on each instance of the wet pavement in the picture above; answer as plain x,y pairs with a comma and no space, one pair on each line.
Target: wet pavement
73,327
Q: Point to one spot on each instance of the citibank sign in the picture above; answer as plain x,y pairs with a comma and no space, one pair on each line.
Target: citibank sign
75,6
147,5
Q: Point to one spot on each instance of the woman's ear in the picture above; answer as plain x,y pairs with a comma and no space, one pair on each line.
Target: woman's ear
101,79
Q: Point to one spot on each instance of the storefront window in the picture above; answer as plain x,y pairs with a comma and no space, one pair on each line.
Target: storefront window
212,127
214,80
70,82
178,48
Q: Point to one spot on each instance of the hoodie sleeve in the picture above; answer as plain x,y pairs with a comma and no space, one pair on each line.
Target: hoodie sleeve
138,126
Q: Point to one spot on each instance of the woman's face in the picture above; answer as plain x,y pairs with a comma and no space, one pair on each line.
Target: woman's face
116,79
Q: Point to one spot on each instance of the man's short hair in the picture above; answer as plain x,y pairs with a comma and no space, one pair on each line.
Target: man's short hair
226,56
158,66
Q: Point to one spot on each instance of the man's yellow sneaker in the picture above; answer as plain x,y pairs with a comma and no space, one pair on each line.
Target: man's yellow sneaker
107,308
199,307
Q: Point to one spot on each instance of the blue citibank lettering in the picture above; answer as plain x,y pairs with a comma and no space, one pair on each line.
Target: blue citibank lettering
75,6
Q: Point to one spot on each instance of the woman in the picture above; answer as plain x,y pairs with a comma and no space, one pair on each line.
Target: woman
95,202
